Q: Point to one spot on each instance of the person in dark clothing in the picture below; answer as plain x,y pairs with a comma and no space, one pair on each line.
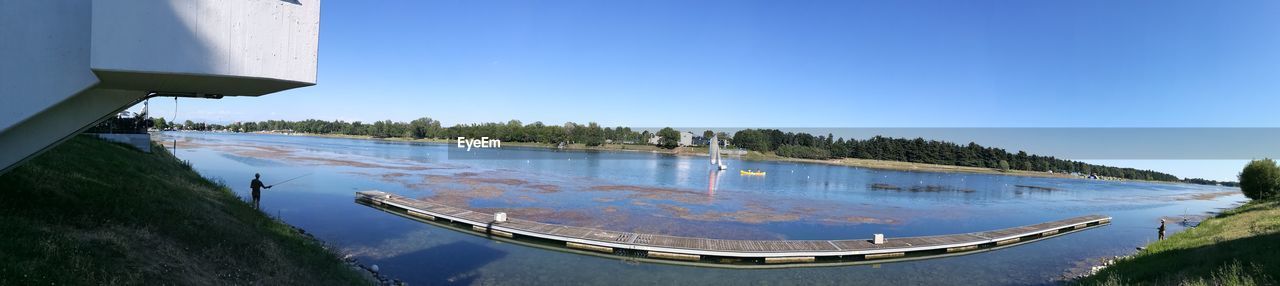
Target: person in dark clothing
257,187
1161,229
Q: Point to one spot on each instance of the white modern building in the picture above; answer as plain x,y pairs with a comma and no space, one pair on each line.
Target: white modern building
67,64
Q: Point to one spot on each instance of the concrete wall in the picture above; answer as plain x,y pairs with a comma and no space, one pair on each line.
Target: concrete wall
62,121
140,141
67,64
177,45
44,56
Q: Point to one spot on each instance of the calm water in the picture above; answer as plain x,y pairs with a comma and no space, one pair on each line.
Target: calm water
644,192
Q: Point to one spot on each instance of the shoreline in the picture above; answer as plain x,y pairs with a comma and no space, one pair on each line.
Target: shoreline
750,156
1208,253
110,210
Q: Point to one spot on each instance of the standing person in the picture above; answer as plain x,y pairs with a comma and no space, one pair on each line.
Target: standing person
257,187
1161,229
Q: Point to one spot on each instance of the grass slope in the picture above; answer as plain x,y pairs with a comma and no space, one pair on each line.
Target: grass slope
93,212
1238,247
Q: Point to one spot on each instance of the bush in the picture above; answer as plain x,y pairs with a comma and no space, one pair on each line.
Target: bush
1260,179
751,139
668,138
806,152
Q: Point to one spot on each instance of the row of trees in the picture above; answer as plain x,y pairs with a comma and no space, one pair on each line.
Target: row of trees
1200,181
591,134
162,124
919,150
797,145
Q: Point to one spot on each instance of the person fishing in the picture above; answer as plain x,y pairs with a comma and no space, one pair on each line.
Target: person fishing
1161,229
257,187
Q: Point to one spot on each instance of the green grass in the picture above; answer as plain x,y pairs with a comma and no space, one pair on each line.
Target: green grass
1237,247
93,212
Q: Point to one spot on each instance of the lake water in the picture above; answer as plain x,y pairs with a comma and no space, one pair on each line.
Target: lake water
677,195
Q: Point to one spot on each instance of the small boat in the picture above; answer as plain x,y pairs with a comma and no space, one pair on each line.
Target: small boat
751,173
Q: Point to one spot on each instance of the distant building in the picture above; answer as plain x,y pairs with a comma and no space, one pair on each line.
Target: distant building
701,141
686,139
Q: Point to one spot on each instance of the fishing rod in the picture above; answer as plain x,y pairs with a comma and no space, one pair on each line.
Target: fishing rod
294,178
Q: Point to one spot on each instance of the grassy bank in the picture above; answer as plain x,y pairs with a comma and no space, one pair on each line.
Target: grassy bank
1237,247
93,212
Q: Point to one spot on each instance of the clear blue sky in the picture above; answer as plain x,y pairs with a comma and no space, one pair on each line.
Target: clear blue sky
743,63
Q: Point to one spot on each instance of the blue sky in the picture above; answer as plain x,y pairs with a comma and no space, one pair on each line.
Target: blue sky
744,63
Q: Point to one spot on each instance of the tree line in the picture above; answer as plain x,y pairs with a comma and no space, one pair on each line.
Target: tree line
1200,181
590,134
919,150
787,144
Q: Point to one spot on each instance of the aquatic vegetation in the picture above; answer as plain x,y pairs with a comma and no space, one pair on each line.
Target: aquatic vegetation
883,186
1036,188
656,193
919,189
545,188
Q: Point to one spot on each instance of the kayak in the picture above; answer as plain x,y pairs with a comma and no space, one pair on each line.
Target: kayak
751,173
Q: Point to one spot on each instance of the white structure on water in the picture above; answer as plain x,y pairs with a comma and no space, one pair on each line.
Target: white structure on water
67,64
714,149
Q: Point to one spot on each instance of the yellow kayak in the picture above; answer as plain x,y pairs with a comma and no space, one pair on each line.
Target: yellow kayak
751,173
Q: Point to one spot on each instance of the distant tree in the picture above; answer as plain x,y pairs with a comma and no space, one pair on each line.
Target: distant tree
806,152
1201,181
422,128
752,139
1004,166
187,124
708,134
592,135
380,129
668,138
1260,179
159,123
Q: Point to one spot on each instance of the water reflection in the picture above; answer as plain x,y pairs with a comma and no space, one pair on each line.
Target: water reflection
426,266
713,178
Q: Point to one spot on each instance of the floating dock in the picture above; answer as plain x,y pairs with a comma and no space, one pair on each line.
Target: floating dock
713,252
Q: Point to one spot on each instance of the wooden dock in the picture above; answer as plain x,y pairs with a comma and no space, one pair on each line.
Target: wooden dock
731,251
